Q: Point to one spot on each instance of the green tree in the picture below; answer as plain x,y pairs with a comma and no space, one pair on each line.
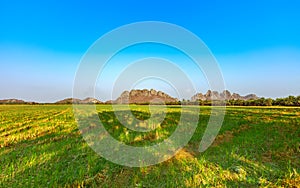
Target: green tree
268,102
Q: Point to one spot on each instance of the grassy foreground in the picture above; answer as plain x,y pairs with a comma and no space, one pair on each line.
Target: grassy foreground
41,146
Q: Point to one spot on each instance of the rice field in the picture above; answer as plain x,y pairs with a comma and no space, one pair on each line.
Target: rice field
41,146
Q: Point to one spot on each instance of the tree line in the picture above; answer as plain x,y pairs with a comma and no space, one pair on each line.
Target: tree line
287,101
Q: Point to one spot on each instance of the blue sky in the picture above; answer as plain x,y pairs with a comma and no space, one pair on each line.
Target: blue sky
256,43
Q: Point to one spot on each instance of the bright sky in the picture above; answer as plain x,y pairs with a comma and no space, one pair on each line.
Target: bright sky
256,43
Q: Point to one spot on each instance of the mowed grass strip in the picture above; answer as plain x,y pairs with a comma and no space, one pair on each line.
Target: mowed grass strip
41,146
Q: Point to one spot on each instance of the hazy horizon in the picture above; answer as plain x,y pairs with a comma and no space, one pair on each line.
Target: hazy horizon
119,94
256,44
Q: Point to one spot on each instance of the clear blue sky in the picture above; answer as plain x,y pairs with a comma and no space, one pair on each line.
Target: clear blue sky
256,43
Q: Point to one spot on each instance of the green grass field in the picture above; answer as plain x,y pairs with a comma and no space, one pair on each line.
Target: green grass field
41,146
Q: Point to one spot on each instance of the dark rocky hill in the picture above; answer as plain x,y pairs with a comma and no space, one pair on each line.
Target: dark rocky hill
144,96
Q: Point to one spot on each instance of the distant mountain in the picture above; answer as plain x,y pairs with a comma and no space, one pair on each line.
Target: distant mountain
15,101
144,96
88,100
91,100
225,95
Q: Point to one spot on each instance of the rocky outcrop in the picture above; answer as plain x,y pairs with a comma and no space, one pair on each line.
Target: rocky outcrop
251,97
145,96
88,100
91,100
138,96
198,96
12,101
225,95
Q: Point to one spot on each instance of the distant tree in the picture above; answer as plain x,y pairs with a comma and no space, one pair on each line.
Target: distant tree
261,102
298,101
252,103
268,102
230,102
240,102
290,101
184,102
279,102
200,102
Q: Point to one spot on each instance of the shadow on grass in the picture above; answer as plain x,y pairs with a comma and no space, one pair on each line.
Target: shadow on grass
51,160
130,137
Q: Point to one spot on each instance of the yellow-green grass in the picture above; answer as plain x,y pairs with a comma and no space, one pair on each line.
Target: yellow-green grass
41,146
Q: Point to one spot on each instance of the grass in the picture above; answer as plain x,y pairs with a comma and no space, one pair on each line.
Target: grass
41,146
